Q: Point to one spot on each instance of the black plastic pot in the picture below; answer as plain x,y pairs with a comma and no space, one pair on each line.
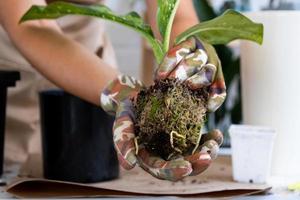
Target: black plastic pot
77,139
7,79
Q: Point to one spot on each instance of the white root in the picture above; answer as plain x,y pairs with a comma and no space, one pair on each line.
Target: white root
197,144
136,145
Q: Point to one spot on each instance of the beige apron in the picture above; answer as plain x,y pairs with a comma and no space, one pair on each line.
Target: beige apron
22,122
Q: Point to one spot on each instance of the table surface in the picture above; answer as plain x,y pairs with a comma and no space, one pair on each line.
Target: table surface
277,193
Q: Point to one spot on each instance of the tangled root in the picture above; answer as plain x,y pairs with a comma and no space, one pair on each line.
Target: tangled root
169,117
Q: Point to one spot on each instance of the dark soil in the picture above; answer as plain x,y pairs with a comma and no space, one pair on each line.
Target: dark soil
169,117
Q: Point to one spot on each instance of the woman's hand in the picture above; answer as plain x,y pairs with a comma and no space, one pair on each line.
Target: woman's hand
194,63
117,99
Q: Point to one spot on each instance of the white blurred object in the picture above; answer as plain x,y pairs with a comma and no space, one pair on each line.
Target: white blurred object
257,5
126,42
251,148
270,86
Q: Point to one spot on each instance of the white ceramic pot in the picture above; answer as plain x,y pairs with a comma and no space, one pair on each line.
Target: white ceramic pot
270,86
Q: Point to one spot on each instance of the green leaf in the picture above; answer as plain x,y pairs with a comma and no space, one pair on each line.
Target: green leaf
225,28
131,20
165,17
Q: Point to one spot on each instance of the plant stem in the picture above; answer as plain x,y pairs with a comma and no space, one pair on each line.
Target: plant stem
157,49
167,35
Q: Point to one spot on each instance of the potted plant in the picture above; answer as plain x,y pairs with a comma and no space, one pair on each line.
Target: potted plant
221,30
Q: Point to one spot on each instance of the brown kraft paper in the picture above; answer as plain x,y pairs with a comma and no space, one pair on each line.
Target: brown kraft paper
216,181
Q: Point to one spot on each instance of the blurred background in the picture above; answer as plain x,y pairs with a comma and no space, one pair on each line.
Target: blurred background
134,58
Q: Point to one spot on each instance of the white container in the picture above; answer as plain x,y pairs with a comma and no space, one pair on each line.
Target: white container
251,148
270,86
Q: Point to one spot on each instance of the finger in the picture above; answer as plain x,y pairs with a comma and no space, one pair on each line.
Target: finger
217,91
189,65
124,87
200,161
208,151
203,78
123,137
173,170
211,147
174,57
215,135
